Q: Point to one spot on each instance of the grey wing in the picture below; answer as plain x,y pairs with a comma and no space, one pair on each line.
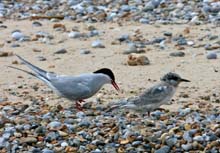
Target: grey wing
154,95
71,87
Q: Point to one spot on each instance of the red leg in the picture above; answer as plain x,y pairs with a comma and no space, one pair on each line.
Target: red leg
81,101
78,106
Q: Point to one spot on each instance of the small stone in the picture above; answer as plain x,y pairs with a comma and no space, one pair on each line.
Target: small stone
97,44
144,21
51,136
134,59
17,35
84,124
136,143
36,24
62,134
28,140
80,114
5,54
15,45
187,136
41,58
59,26
64,144
75,34
54,124
47,151
94,33
131,49
171,142
168,34
187,147
85,51
187,126
211,55
163,149
198,138
36,50
177,54
61,51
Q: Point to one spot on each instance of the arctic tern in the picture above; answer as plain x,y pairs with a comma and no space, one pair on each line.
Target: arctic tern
74,88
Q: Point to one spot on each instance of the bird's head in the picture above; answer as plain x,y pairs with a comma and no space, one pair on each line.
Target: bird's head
173,79
110,76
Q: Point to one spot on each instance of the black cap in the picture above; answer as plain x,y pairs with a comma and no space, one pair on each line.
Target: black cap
106,71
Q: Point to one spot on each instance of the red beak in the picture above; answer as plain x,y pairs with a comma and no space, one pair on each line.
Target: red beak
115,85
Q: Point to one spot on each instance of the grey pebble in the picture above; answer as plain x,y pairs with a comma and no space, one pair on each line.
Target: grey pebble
37,24
75,34
17,35
144,21
131,49
198,138
211,55
54,124
169,34
97,44
52,136
187,147
84,51
171,142
41,58
136,143
15,45
163,149
177,54
47,151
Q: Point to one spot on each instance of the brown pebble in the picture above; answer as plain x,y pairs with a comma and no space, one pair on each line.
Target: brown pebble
5,54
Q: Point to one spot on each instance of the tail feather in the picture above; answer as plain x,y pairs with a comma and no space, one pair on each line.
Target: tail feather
36,69
23,71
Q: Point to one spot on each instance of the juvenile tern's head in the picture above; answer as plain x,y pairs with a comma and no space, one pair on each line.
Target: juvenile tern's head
110,75
173,79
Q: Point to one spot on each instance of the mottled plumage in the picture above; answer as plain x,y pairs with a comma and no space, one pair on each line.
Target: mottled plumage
155,96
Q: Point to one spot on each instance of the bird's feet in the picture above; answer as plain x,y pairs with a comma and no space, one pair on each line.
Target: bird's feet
78,105
81,101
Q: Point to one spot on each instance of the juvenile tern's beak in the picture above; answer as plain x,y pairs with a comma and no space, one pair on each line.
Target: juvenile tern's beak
184,80
115,85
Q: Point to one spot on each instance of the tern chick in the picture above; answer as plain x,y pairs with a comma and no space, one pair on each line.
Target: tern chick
74,88
153,97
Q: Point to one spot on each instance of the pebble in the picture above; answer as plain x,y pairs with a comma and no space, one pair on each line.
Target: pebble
97,44
41,58
177,54
187,147
37,24
84,51
134,60
75,34
171,142
164,149
61,51
17,35
28,140
211,55
64,144
54,124
198,138
131,49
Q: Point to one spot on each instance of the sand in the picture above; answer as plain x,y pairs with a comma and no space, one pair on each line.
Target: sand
17,86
